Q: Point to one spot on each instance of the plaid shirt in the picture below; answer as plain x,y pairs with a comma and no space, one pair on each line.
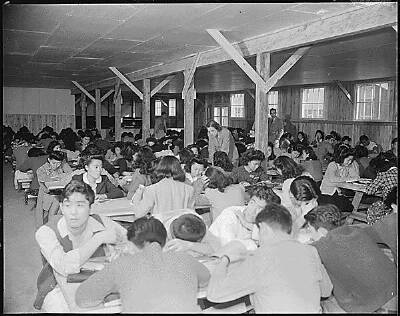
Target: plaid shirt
384,182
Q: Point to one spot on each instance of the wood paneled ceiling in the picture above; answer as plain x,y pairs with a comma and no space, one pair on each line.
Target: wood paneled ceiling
50,45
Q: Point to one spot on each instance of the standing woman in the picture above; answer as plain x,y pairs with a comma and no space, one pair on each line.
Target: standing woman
168,191
220,138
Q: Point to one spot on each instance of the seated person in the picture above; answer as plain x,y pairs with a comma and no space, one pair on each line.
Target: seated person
302,139
194,169
168,191
250,170
143,166
237,222
363,278
55,169
342,169
393,146
219,192
269,158
325,150
36,158
373,148
222,162
361,156
195,149
281,276
345,142
148,280
99,183
305,195
296,153
68,241
311,164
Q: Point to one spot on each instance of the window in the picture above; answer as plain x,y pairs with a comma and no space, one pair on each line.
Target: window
237,105
312,103
172,107
157,111
221,115
273,101
371,98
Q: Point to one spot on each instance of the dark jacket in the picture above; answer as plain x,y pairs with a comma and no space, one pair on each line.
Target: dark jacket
104,187
33,163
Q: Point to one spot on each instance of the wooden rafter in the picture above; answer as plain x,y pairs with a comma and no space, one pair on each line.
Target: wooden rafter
250,93
236,56
292,60
358,21
106,95
83,90
344,90
117,90
190,76
127,82
161,85
395,27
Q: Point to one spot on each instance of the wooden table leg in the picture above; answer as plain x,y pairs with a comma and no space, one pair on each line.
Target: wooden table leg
356,203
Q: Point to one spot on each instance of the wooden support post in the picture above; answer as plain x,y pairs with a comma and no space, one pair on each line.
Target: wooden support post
188,108
83,110
292,60
83,90
146,109
117,108
190,76
98,110
263,66
127,82
161,85
106,95
236,56
344,90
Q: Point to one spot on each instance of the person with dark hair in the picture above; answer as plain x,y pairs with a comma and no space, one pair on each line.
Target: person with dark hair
36,158
45,140
283,147
343,168
380,209
53,170
237,222
268,163
296,153
144,166
302,139
203,134
185,156
222,162
275,126
311,164
195,149
363,278
164,281
305,195
373,148
92,150
221,139
393,146
194,169
361,156
100,184
250,170
282,276
318,138
177,146
89,235
346,141
219,192
168,191
325,150
86,139
289,170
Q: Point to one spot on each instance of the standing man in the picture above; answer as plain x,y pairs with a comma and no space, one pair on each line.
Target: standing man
275,126
160,125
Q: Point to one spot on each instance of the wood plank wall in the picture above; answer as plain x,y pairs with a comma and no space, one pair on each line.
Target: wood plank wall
339,115
35,122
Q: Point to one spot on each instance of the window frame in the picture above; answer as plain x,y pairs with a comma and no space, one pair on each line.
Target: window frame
324,87
356,103
277,103
155,107
169,108
231,106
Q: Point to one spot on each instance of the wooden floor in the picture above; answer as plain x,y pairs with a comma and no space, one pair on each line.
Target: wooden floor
22,261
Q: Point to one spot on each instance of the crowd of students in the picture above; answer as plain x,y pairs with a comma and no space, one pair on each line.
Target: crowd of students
290,248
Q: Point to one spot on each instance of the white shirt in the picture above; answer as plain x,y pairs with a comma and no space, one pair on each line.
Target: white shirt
227,227
85,179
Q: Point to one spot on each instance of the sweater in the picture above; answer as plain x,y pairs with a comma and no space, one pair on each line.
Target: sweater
240,174
336,173
363,278
149,281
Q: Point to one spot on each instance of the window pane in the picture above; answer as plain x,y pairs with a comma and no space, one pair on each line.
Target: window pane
172,107
371,97
313,103
216,119
225,111
157,111
237,99
224,121
216,111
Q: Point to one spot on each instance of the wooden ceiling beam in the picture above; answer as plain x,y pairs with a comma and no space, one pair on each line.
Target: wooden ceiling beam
190,75
84,91
127,82
117,90
357,21
106,95
161,85
344,90
395,27
237,57
292,60
251,94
